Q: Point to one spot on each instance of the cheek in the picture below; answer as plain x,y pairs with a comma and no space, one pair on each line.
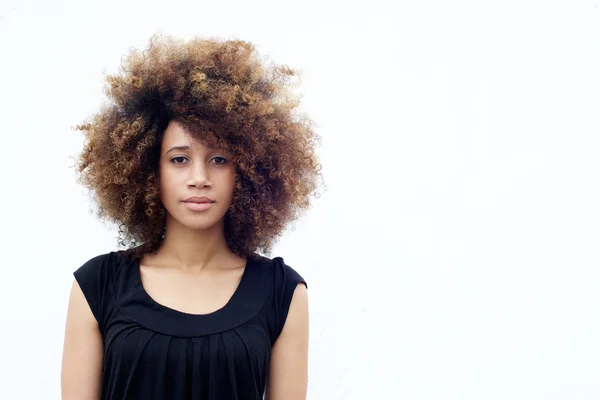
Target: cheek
166,185
231,184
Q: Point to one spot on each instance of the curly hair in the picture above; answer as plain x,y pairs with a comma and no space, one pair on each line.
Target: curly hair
223,94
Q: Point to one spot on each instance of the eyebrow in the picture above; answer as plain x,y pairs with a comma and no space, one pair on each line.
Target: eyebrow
186,148
177,148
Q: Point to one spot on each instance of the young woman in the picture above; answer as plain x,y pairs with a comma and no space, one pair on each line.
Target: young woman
202,159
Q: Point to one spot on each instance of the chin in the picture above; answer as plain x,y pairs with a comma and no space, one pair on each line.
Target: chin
198,225
199,220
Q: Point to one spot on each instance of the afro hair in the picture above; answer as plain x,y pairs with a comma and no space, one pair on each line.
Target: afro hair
223,93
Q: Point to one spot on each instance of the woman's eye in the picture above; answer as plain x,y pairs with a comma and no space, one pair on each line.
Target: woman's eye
181,160
177,158
220,158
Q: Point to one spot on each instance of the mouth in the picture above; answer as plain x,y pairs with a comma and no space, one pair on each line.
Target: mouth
198,200
198,206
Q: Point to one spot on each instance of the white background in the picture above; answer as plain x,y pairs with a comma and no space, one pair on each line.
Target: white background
456,252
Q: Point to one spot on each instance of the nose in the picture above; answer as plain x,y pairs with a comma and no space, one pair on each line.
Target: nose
199,176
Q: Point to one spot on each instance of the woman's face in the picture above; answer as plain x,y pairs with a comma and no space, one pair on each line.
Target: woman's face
189,169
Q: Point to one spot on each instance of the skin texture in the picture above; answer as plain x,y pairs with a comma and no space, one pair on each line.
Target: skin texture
249,152
82,351
288,369
197,171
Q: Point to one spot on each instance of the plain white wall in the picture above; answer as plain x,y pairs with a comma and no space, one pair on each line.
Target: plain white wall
455,254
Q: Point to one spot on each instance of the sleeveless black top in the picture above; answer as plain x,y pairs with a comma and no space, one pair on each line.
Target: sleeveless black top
155,352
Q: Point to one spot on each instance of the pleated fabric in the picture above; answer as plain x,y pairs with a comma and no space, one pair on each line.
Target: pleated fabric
154,352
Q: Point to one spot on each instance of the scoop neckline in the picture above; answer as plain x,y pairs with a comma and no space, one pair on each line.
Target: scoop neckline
150,299
247,301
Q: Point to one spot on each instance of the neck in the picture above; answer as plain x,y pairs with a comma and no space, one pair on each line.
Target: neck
193,249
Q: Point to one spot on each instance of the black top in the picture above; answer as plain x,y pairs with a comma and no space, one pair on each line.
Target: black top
155,352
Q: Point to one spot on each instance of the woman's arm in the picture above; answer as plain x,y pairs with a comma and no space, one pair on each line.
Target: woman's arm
288,369
82,351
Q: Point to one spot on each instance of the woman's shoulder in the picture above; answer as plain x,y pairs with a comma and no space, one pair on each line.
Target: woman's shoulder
103,267
94,264
280,271
283,279
96,277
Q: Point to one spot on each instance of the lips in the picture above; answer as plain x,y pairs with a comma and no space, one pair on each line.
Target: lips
196,199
